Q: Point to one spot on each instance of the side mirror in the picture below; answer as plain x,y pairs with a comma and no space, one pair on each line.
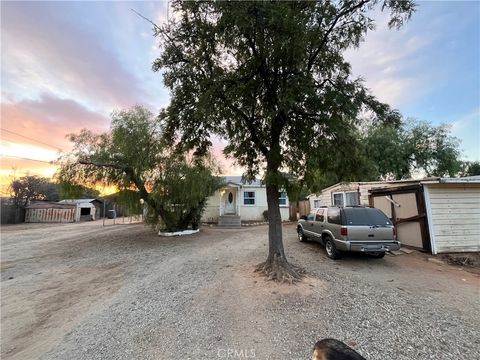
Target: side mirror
303,217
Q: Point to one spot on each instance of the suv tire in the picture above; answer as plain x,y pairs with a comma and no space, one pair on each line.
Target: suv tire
330,248
301,236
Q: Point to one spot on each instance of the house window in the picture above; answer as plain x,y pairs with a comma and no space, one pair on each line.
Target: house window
350,198
282,198
338,199
316,203
249,198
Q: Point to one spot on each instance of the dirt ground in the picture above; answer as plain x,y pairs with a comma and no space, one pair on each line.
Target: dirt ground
83,291
468,261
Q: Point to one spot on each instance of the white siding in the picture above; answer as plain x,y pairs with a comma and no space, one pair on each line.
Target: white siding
454,217
212,209
247,212
326,199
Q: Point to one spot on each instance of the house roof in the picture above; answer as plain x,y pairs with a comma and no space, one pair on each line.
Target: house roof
430,180
359,183
238,180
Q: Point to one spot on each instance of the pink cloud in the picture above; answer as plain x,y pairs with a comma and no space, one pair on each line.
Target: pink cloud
45,53
49,120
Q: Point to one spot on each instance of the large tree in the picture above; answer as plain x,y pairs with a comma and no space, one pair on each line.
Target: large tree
133,157
271,78
397,152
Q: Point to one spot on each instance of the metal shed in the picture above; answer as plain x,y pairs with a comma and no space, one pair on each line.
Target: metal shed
89,208
50,212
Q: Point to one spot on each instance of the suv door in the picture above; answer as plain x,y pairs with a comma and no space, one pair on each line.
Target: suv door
308,227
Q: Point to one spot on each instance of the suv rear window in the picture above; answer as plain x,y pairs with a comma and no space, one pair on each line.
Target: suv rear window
365,216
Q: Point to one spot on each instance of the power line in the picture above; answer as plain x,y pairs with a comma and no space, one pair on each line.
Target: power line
29,138
24,158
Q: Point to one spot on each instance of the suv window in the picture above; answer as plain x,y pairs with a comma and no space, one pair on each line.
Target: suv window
311,216
365,216
334,216
320,216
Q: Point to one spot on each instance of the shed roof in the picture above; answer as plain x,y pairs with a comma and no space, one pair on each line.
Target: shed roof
50,205
460,180
77,201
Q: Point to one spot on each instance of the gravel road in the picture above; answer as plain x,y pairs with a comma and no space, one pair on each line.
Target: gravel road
83,291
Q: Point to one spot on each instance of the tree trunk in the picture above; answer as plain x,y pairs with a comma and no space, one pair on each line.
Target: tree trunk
276,267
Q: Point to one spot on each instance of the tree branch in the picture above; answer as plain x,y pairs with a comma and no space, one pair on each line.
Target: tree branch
250,126
130,172
331,28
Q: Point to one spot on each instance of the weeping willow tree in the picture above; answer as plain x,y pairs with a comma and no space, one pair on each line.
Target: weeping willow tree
133,157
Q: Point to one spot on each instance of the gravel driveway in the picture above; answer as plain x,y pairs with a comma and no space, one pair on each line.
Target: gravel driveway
83,291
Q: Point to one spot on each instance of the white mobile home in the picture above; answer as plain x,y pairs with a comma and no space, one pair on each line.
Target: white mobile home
350,193
241,201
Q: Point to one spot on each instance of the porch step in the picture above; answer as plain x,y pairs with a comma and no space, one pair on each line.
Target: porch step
229,221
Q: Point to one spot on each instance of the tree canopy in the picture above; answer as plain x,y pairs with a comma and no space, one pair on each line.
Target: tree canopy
31,187
271,78
470,168
397,152
133,157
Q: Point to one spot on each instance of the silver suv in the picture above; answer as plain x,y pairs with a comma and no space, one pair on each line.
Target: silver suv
356,228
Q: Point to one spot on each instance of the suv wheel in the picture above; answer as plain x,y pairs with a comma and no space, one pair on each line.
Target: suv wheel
332,252
301,235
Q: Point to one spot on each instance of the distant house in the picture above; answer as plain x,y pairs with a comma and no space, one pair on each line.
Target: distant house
89,208
241,201
434,214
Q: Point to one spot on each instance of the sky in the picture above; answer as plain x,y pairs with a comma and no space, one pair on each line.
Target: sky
67,65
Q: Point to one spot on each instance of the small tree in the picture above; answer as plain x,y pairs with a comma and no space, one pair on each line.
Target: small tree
270,77
133,157
28,188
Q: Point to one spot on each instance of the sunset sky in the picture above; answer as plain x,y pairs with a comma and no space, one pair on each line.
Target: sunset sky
67,65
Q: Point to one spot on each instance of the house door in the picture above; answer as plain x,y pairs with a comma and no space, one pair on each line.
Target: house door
230,203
